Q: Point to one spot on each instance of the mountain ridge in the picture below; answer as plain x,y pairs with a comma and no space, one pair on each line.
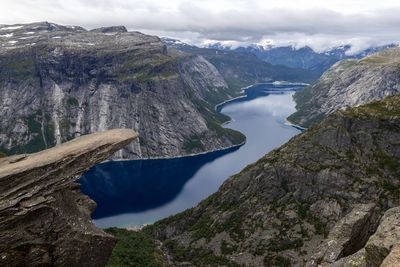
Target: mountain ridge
333,182
349,83
59,82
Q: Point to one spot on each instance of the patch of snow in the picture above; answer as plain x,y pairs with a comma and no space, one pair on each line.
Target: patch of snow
11,28
28,37
8,35
12,42
28,33
56,37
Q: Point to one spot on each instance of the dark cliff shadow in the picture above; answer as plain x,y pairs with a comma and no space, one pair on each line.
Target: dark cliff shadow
138,185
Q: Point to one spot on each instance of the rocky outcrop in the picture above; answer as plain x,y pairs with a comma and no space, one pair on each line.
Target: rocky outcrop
317,200
382,248
349,83
44,218
59,82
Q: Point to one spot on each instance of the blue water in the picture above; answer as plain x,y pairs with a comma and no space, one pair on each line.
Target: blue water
133,193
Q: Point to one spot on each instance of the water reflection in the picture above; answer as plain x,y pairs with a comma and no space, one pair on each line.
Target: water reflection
134,186
131,193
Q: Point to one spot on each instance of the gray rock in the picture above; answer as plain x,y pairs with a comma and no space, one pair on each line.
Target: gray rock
349,83
387,236
44,218
316,199
348,235
63,82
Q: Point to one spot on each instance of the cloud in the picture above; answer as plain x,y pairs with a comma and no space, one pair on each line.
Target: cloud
310,22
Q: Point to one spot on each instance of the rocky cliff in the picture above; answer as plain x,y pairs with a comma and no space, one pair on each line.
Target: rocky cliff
349,83
44,218
59,82
328,197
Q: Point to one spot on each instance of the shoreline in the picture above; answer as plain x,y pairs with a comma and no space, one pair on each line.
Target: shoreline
287,122
243,90
181,156
216,107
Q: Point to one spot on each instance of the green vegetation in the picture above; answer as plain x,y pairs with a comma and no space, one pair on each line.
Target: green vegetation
143,68
202,228
34,123
3,155
193,144
197,256
36,142
277,261
285,244
18,66
214,119
72,101
150,229
386,108
227,248
375,59
134,249
387,162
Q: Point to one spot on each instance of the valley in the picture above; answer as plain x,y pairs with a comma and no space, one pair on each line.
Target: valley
135,193
120,148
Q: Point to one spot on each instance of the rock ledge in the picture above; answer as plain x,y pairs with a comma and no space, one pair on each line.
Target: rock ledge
44,218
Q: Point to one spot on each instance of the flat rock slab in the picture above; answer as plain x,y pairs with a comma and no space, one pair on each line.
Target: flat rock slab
44,218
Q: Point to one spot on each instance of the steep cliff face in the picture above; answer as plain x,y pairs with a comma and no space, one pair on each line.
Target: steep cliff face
44,218
316,200
349,83
60,82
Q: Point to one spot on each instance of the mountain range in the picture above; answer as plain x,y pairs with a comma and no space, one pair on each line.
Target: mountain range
303,57
328,197
59,82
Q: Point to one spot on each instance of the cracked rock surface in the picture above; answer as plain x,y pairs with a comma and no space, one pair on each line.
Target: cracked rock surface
44,218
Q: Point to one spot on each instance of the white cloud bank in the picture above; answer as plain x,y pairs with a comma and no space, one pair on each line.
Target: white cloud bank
319,24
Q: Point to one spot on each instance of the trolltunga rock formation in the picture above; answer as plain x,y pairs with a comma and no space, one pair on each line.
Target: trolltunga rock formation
44,218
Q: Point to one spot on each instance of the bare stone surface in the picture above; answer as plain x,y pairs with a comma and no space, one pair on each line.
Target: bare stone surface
44,218
349,83
63,82
386,237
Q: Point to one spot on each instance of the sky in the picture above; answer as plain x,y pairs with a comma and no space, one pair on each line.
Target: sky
320,24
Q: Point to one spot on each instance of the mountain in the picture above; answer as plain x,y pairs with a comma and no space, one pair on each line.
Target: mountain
306,57
241,69
59,82
349,83
45,219
329,197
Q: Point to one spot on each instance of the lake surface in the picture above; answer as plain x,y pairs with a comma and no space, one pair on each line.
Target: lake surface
133,193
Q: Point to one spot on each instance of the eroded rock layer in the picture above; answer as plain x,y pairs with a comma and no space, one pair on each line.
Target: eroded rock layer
44,218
